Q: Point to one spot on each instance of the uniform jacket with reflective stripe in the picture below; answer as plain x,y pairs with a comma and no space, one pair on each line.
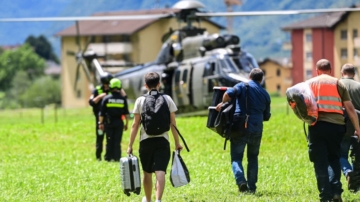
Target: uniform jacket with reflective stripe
325,89
97,91
113,106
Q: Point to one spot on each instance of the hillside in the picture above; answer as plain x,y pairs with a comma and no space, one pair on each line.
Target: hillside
259,35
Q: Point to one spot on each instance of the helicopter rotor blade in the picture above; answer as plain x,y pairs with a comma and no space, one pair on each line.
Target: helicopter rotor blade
88,18
90,38
86,70
71,53
283,12
76,76
78,36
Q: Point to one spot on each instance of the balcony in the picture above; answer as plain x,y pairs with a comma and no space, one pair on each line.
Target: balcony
357,61
357,42
111,48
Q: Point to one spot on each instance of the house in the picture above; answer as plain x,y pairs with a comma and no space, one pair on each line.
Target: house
277,75
332,36
122,41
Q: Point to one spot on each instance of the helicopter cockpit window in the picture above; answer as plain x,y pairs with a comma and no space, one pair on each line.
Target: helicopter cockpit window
209,69
247,62
227,65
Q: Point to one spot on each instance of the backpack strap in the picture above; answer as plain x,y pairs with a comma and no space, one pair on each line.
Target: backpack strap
182,138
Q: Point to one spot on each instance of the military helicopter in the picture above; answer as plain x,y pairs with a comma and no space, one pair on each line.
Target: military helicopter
191,61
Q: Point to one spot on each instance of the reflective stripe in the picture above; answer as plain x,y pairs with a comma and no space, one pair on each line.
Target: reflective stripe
326,94
331,98
329,107
118,105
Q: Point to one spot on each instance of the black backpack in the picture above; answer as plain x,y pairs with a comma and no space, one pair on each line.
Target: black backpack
155,115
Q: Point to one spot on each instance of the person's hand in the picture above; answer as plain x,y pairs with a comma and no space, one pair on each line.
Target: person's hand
178,147
129,150
218,107
101,126
357,133
125,127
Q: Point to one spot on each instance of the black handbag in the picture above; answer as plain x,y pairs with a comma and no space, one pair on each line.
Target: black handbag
228,125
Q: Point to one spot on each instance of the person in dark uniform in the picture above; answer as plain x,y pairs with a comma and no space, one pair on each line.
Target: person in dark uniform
97,95
113,107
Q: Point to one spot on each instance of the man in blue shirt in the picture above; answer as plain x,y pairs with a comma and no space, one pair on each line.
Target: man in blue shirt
258,109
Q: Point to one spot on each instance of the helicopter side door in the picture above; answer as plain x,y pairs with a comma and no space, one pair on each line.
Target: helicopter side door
181,83
210,79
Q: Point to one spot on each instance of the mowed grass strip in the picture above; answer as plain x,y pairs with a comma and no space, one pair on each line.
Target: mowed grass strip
56,161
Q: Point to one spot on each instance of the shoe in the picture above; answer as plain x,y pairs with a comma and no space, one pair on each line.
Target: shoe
243,187
337,198
98,159
251,191
144,199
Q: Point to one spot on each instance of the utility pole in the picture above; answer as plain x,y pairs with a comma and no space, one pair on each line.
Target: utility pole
229,4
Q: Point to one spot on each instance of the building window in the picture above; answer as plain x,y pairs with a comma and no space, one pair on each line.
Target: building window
278,88
308,37
125,38
343,34
278,72
309,56
308,74
355,33
78,94
344,53
356,53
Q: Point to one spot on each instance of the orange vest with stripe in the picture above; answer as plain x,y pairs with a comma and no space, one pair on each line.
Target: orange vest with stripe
326,94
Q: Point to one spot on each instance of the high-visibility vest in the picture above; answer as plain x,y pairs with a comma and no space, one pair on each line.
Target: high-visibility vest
326,94
99,90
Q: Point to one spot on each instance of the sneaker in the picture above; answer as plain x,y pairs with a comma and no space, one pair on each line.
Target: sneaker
243,187
144,199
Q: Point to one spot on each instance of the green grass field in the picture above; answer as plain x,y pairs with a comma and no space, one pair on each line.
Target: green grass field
56,161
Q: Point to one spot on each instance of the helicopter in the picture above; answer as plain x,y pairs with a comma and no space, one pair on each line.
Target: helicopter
191,61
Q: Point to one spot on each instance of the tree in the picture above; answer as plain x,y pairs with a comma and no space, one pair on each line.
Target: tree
22,58
43,91
42,47
20,85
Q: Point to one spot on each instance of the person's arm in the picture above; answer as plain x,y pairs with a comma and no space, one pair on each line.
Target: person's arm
133,132
122,92
98,98
350,109
174,132
267,113
225,98
102,114
126,115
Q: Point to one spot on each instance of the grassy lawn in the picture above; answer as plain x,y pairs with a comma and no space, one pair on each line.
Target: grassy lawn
55,161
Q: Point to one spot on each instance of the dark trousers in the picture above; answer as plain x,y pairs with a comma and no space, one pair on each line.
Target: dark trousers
324,151
113,141
99,139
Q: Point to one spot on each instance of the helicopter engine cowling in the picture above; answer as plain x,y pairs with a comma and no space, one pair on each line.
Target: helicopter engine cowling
213,41
231,40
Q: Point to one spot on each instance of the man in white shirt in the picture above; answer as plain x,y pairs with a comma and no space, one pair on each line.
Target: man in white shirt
154,149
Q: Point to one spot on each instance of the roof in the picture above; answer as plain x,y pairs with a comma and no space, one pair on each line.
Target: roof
112,27
321,21
283,62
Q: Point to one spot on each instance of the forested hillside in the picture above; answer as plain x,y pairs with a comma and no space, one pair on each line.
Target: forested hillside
262,35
